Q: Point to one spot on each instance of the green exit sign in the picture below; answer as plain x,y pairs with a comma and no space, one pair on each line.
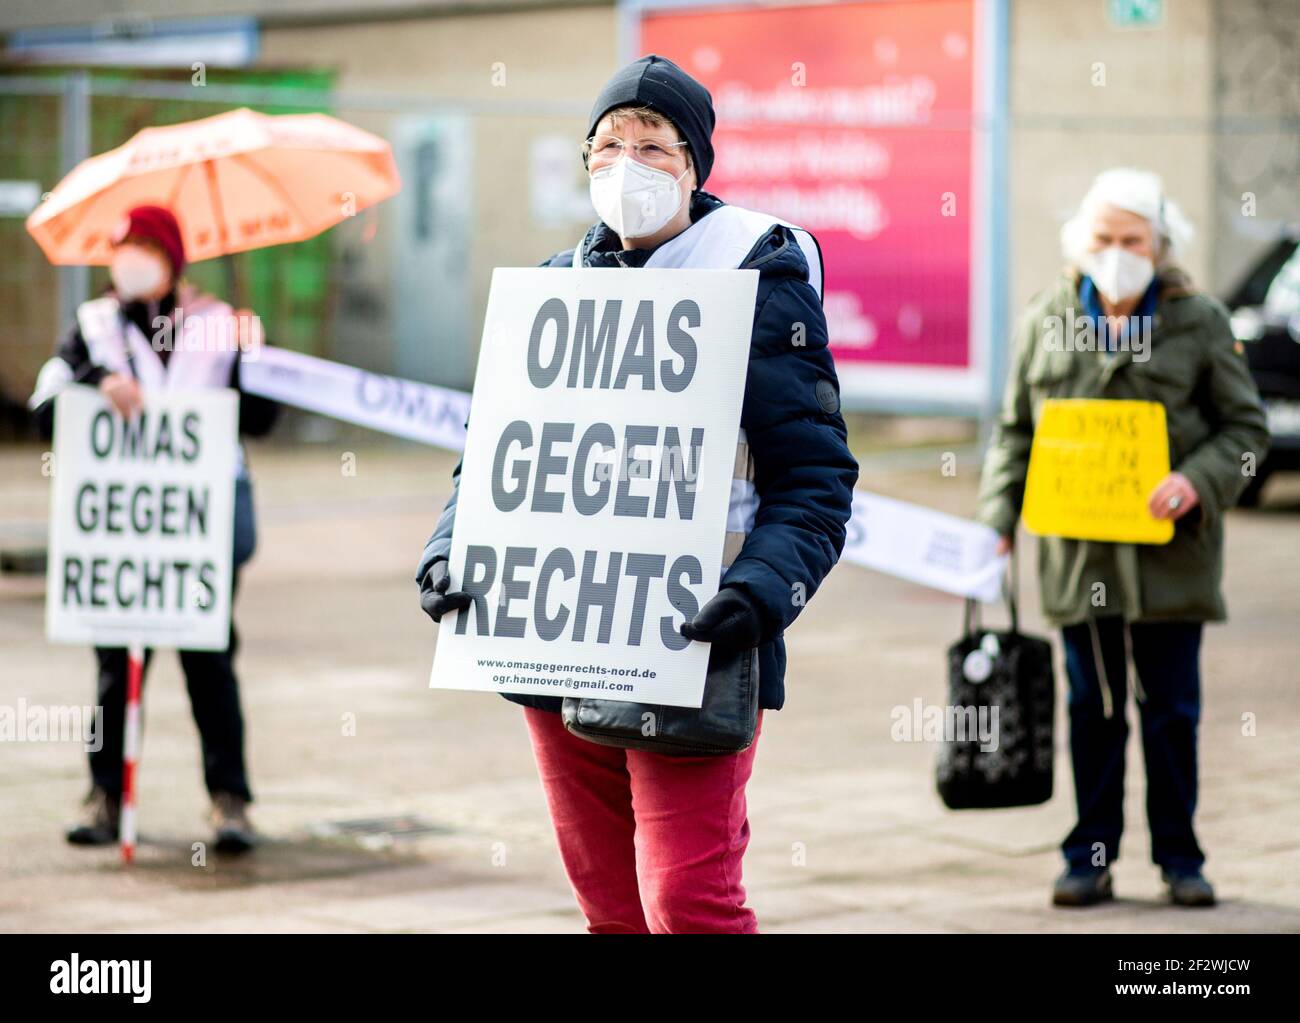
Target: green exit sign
1135,13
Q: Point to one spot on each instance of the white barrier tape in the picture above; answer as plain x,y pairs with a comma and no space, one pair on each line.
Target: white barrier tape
924,546
404,408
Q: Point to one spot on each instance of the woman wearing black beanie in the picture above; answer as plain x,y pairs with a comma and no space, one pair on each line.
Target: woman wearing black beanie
653,841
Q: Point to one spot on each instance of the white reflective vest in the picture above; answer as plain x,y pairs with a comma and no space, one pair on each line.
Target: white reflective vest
204,345
721,240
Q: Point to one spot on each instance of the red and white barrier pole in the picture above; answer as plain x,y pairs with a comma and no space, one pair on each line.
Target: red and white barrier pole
131,749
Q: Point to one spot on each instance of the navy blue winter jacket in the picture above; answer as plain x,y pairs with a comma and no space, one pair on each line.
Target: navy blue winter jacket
803,470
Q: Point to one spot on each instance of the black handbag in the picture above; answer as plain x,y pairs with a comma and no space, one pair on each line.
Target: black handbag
1012,672
725,723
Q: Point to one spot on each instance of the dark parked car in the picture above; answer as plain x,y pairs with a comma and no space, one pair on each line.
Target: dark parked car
1266,318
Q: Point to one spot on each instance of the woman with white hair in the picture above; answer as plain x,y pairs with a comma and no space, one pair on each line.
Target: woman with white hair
1156,338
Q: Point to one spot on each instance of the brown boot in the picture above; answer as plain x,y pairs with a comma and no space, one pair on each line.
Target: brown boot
229,817
99,819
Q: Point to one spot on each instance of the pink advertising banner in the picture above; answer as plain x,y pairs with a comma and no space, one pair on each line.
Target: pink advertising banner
854,120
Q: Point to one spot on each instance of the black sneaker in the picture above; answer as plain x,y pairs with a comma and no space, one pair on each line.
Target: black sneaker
1188,888
229,817
1082,886
99,819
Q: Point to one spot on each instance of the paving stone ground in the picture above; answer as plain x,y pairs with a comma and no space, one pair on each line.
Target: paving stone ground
848,834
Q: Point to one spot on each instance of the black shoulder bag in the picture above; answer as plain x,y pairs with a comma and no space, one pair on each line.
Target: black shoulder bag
726,722
1001,684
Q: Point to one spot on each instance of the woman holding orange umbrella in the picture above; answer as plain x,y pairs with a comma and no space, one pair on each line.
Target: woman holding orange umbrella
237,181
126,341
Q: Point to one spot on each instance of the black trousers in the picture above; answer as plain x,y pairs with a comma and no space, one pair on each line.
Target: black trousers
1166,657
214,701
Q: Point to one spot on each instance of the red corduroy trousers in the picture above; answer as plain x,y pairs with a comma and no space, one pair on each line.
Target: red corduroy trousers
651,843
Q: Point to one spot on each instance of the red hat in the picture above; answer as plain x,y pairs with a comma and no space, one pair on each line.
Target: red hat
159,225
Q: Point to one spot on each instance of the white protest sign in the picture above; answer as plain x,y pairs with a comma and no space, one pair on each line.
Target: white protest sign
925,546
595,482
142,520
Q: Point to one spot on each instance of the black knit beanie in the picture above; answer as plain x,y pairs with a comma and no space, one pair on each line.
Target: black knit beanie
659,84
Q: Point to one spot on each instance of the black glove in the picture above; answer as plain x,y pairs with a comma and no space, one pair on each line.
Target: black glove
435,601
730,619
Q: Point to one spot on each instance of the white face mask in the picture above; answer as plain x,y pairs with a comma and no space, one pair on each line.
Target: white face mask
136,272
1118,273
633,199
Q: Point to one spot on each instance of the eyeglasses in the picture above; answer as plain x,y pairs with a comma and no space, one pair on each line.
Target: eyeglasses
607,148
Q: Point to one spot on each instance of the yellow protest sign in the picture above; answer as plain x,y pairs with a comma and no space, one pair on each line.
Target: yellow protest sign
1093,466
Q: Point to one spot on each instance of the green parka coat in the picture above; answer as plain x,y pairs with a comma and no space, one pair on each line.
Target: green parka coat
1217,435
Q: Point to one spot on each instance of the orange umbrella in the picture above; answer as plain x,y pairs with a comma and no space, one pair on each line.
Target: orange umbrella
240,180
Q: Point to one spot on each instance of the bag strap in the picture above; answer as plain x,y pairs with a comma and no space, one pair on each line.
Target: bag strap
1011,589
972,616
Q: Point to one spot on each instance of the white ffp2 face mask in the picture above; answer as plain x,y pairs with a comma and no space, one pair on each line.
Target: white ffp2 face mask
633,199
1118,273
136,272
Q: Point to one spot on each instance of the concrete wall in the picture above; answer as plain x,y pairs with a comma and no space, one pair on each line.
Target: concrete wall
553,60
1084,95
19,14
1153,110
1210,99
1257,102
